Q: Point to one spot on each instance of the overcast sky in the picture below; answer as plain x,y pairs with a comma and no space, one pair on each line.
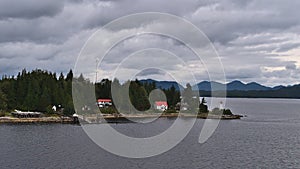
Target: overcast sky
257,40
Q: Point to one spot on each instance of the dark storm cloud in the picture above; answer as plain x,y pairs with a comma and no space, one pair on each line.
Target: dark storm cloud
241,74
150,71
29,8
31,30
287,47
226,20
291,66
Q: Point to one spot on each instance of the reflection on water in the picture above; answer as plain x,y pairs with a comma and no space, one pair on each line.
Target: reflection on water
269,137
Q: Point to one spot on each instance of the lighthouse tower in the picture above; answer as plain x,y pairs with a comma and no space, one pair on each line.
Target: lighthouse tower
221,107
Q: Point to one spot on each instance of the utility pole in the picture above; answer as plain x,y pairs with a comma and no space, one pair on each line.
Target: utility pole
97,60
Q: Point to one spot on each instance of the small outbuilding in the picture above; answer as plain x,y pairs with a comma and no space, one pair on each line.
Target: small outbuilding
104,102
161,105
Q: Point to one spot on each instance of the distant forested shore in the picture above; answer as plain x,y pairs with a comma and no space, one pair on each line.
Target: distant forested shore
237,89
292,92
40,90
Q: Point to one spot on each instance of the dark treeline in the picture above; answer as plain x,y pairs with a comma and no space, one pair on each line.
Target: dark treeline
139,94
37,90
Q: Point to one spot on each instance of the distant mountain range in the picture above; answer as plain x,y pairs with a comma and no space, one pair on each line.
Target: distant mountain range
236,89
234,85
164,84
206,85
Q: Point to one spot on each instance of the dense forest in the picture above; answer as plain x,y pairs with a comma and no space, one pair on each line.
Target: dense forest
132,96
37,90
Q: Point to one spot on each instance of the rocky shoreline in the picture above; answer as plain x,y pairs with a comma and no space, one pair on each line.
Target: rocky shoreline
112,118
201,116
128,117
64,120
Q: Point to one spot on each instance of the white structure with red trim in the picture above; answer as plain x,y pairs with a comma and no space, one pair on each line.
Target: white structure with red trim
104,102
161,105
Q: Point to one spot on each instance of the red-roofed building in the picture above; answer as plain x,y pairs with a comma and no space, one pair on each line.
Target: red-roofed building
104,102
161,105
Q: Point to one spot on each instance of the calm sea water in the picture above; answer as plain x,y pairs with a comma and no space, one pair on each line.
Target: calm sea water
269,137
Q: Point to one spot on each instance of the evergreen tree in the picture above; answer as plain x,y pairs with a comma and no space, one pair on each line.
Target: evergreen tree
138,96
3,101
69,76
203,108
190,99
173,97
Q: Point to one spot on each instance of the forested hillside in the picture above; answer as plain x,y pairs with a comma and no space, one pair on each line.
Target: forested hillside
39,90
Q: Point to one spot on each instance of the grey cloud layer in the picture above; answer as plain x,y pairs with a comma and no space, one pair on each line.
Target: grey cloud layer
249,35
29,9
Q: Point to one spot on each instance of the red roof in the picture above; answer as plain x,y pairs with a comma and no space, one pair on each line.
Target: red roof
104,100
160,103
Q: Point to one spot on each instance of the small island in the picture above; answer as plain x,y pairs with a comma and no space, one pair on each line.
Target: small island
41,97
109,114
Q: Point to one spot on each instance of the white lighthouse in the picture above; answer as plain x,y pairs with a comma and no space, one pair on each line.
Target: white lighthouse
221,107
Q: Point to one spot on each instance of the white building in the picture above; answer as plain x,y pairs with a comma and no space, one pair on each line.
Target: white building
161,105
104,102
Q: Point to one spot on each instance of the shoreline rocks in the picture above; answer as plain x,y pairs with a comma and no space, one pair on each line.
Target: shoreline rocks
65,120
